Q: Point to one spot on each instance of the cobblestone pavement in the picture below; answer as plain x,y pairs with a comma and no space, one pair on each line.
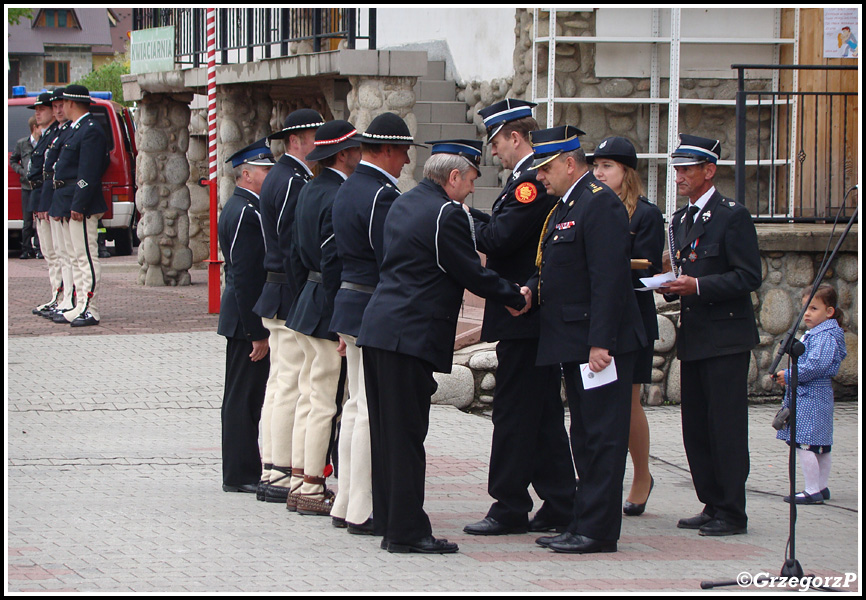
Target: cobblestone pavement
113,484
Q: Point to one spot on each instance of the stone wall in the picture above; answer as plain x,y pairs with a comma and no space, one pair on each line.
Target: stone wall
162,199
576,78
777,304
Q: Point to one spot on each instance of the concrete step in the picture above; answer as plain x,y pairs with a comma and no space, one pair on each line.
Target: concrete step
489,175
435,71
440,112
483,197
444,131
435,91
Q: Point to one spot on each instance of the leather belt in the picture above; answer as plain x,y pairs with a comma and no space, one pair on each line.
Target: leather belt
36,184
47,175
274,277
348,285
59,183
314,276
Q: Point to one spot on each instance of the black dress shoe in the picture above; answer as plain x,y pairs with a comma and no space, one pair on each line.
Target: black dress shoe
545,541
580,544
540,524
718,527
338,522
696,522
635,510
490,526
365,528
428,545
39,255
825,493
86,319
25,255
276,493
58,316
248,488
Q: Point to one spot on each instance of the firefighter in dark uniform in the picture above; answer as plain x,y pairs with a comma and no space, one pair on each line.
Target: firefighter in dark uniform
589,317
408,332
359,215
242,244
60,227
78,196
715,251
530,444
279,197
315,254
45,119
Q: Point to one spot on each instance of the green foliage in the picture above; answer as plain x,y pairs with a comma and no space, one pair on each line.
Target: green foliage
107,79
16,14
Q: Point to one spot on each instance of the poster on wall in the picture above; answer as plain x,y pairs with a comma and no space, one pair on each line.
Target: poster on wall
841,33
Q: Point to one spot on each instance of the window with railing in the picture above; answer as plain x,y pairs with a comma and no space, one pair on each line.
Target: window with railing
249,34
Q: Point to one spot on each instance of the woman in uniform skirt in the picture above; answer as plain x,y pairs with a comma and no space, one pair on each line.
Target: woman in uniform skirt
615,164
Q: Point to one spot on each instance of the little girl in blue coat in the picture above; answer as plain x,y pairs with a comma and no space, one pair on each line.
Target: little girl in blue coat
825,350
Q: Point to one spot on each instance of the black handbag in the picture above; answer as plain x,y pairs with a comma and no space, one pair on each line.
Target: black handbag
780,421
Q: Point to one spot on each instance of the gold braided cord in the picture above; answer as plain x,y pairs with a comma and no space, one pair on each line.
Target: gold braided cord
538,254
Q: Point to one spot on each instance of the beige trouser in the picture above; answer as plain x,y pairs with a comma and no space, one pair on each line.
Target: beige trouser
60,274
85,264
354,500
316,409
281,398
46,241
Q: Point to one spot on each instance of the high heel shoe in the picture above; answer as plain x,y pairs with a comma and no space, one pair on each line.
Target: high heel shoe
634,510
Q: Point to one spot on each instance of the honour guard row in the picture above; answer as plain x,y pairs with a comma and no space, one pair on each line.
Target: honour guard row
65,176
342,297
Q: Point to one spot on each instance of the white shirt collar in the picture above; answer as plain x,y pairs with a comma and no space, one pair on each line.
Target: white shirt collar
302,163
79,118
390,177
702,201
573,186
250,191
521,161
340,173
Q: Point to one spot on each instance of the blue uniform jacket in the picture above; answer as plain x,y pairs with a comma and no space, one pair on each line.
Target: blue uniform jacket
721,250
509,237
583,288
242,243
314,254
82,161
430,258
359,215
278,199
647,228
52,153
34,172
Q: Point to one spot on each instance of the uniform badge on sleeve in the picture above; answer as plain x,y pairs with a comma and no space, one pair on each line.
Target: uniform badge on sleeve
526,193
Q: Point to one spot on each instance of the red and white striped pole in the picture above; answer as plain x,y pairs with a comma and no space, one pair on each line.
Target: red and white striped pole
214,262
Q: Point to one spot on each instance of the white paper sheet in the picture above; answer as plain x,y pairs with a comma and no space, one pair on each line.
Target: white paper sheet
603,377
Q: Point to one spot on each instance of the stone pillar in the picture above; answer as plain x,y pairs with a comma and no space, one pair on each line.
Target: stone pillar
163,198
372,96
243,116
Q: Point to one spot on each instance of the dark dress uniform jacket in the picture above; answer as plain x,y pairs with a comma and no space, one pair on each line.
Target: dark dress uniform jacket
277,203
314,255
359,215
430,258
34,172
509,238
584,285
243,246
52,153
82,161
720,320
647,228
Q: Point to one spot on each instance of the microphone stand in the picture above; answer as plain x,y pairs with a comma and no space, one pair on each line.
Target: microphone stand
794,349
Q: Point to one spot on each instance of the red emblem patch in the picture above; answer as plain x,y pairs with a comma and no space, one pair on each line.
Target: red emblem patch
525,193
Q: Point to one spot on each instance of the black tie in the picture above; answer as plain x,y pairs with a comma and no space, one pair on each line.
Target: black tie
690,217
